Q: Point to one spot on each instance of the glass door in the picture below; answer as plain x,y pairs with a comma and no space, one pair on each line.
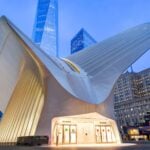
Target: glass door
103,133
109,134
59,137
66,134
98,134
73,134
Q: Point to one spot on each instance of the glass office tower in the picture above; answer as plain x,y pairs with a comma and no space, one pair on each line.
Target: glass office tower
81,40
45,32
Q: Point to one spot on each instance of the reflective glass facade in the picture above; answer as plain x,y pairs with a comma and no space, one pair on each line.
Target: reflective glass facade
45,32
81,40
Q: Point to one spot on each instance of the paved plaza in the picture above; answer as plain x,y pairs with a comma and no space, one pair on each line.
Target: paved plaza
130,147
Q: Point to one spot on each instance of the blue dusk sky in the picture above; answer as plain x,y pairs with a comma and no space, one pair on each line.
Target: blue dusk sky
101,18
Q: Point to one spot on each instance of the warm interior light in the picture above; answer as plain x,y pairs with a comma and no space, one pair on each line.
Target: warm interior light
83,129
71,65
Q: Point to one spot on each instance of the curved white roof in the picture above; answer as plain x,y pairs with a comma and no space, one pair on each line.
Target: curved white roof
98,66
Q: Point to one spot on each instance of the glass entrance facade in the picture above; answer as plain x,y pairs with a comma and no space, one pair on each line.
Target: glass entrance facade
82,131
66,134
104,134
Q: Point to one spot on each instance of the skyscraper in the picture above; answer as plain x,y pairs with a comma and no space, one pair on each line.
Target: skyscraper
45,31
81,40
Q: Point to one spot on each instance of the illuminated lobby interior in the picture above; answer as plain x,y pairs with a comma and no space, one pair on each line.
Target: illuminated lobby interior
89,128
67,99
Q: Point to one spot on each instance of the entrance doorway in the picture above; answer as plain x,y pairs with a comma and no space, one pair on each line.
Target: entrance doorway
104,134
83,129
66,134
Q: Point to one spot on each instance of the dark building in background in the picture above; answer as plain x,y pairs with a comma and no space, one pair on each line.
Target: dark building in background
147,119
81,40
132,98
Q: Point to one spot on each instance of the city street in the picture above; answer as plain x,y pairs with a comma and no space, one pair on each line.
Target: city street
131,147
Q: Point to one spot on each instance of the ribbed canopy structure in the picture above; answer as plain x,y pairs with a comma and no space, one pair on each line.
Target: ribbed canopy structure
90,74
105,61
122,49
